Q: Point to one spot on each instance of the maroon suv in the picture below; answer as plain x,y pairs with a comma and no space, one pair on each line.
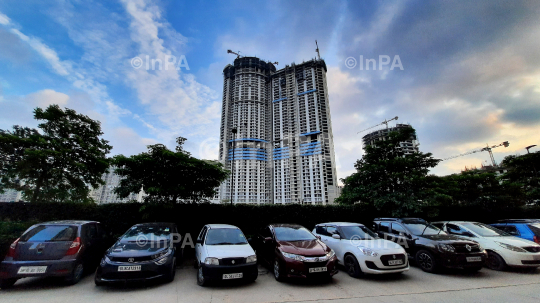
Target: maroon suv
292,251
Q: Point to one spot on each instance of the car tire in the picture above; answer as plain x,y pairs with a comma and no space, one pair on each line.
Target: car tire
76,274
278,271
170,276
201,281
426,261
495,262
352,266
7,283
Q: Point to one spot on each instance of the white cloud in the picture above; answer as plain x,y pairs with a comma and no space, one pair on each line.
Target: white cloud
4,20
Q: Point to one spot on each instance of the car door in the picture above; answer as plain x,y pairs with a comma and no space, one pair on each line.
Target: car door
334,244
199,245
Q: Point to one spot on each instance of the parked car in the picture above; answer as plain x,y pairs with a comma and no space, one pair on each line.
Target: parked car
223,253
528,229
360,250
145,252
502,248
292,251
431,247
59,248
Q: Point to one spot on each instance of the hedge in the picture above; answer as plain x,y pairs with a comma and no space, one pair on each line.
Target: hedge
190,218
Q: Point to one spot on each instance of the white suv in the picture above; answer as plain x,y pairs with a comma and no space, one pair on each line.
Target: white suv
503,249
223,253
361,251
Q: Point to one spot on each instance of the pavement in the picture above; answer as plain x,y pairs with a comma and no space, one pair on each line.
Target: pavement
413,286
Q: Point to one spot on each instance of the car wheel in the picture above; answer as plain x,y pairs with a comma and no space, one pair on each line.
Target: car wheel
7,283
201,281
278,272
76,274
170,276
426,261
352,267
495,262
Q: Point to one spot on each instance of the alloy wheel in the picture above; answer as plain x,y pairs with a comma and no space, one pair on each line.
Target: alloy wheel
349,265
425,261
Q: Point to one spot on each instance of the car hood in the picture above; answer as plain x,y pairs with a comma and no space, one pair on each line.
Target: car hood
515,241
377,244
128,249
304,248
229,251
449,239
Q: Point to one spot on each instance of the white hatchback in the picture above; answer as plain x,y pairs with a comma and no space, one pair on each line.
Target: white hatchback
503,249
223,253
360,250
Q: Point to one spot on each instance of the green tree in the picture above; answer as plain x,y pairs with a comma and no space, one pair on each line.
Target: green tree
168,176
523,172
391,181
58,163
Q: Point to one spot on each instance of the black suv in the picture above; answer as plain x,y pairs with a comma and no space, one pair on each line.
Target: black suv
429,246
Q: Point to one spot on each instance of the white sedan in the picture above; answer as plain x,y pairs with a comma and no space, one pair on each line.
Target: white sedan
503,249
360,250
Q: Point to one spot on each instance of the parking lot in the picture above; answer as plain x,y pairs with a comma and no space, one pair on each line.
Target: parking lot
413,286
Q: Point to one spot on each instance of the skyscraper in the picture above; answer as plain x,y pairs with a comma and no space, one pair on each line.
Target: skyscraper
283,150
408,147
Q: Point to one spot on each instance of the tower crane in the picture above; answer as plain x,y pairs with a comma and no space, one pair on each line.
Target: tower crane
487,148
384,122
238,55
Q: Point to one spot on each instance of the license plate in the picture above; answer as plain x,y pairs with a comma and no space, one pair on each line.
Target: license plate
233,276
318,269
537,257
474,259
129,268
395,262
32,270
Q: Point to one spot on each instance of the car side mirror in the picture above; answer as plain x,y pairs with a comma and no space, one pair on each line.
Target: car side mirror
336,236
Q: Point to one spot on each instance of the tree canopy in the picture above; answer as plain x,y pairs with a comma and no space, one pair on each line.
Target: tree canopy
524,172
168,176
58,163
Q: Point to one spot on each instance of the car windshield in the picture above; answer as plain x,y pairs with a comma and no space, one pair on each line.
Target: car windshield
293,234
485,230
225,236
147,233
422,228
50,233
358,233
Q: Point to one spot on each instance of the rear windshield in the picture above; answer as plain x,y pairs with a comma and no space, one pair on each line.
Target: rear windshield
50,233
535,228
147,233
225,236
293,234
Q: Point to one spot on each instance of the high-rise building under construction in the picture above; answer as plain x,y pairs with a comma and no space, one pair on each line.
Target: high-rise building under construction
276,134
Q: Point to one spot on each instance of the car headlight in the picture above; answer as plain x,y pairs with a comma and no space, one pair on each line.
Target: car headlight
446,248
511,247
367,251
293,256
211,261
104,261
161,254
330,254
251,259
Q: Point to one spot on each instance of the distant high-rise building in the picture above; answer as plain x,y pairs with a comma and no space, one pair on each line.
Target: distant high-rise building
408,146
105,193
11,195
283,149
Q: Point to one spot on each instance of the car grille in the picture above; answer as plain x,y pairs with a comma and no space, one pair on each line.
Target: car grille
232,261
315,264
386,258
462,248
127,259
532,249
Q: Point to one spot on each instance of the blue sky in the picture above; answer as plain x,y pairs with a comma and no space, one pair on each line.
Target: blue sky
471,70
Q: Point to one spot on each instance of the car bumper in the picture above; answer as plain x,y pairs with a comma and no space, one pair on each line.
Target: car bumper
375,265
55,268
520,259
459,260
108,272
216,272
297,269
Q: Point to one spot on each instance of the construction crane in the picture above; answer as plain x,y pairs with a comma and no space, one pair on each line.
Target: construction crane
487,148
384,122
238,56
317,50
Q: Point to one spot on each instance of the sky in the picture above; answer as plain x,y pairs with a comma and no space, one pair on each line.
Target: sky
463,73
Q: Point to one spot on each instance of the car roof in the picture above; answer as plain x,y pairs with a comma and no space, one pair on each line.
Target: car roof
286,225
156,224
215,226
341,224
455,222
69,222
517,221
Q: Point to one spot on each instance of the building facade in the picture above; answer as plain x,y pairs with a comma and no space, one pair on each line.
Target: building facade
105,193
410,146
11,195
283,151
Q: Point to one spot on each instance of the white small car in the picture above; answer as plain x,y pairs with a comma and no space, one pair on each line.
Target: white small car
503,249
223,253
361,251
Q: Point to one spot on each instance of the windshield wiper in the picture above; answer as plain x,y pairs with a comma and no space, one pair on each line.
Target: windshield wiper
424,230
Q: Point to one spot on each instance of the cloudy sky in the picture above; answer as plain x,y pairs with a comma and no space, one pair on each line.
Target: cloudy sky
471,69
